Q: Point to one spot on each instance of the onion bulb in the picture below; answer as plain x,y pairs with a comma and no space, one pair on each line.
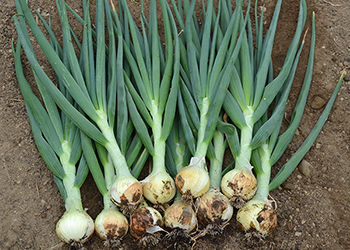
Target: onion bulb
193,180
145,225
180,215
126,192
75,226
258,215
214,211
159,187
111,224
239,186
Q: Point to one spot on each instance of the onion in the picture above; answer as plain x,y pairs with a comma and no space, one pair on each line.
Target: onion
239,186
126,192
180,215
159,187
111,224
75,226
145,225
258,215
214,211
193,180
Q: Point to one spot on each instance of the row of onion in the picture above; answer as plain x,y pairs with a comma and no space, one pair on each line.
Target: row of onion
121,99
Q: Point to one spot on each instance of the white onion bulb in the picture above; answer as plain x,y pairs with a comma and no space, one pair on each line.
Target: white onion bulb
75,226
111,224
193,180
214,210
239,185
180,215
126,192
259,215
159,187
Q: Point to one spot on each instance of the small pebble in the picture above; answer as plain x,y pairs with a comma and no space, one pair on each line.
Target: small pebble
277,239
347,78
305,168
318,145
297,234
317,102
288,186
313,180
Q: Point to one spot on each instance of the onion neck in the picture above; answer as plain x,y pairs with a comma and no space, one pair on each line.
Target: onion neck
73,200
202,146
112,147
109,175
243,159
263,177
217,162
159,142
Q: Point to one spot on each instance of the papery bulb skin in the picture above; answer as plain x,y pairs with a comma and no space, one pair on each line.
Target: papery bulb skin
146,224
75,226
214,211
239,186
180,215
258,215
111,224
126,192
159,187
193,180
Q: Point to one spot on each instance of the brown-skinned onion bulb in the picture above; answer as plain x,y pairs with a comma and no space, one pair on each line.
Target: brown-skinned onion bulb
193,180
159,187
146,225
214,211
75,226
180,215
239,186
258,215
126,192
111,224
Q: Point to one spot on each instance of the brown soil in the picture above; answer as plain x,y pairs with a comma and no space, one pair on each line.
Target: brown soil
313,208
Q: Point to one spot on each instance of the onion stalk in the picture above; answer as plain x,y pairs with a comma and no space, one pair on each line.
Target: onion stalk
88,89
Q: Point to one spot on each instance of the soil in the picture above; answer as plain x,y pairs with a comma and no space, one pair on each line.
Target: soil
313,208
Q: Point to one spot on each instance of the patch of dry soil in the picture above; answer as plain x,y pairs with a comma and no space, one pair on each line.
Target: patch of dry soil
313,208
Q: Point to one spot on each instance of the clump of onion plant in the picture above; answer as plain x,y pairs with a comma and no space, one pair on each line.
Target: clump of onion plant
58,141
152,95
269,145
248,100
205,79
86,83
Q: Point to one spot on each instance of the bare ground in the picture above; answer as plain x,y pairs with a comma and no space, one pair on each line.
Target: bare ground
313,209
